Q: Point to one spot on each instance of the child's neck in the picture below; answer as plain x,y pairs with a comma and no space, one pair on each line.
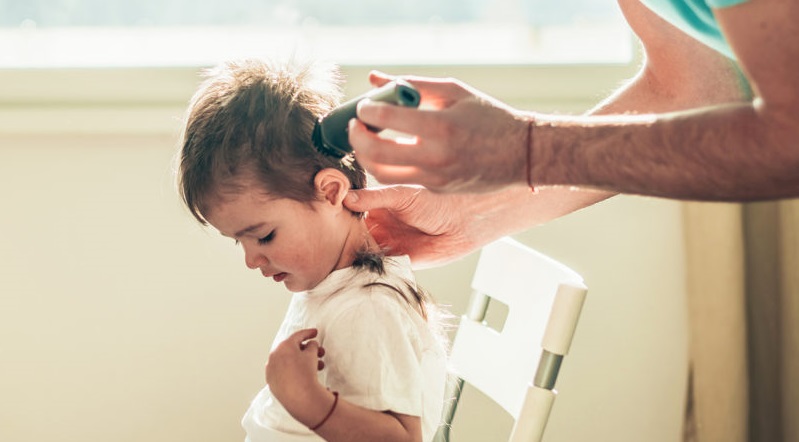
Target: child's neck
358,239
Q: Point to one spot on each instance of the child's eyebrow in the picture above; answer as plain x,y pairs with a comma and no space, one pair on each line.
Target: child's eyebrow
253,227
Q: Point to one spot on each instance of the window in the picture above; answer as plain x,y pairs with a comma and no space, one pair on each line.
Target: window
36,33
130,66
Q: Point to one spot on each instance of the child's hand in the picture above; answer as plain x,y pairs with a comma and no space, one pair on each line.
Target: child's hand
291,369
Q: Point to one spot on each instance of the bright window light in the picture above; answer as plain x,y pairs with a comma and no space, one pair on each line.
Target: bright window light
87,33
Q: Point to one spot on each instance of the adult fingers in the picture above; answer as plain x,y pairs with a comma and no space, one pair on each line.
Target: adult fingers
390,175
389,163
372,149
379,78
394,198
435,92
409,120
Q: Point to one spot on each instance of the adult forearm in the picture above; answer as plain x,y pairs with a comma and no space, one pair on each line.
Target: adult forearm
517,209
719,145
724,152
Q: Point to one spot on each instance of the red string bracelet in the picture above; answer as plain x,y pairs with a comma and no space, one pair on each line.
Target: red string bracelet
329,413
529,148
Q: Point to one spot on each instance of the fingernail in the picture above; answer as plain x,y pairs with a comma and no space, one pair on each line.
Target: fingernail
352,197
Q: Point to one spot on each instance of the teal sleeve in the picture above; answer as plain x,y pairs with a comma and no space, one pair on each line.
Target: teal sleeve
695,18
724,3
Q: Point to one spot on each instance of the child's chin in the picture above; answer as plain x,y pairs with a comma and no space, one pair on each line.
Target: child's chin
294,286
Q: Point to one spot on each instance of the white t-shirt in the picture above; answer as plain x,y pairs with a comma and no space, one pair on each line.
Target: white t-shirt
380,353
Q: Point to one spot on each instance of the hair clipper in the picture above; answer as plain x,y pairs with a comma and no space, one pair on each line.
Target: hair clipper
330,133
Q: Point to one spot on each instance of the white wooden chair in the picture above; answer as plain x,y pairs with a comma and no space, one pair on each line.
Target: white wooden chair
516,367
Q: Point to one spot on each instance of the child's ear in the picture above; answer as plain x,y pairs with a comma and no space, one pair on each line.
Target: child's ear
332,185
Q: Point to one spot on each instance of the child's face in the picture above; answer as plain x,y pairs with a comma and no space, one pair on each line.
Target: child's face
292,242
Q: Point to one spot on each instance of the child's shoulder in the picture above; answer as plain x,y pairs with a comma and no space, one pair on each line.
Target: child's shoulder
377,310
369,291
393,277
374,293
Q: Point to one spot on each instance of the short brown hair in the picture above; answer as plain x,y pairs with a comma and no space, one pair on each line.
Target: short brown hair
253,118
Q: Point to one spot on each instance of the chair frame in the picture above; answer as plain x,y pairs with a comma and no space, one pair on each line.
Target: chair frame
531,416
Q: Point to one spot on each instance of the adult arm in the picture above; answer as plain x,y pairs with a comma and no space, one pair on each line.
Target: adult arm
434,228
734,150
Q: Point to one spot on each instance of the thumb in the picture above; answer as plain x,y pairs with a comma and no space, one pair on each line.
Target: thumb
394,198
379,78
357,200
437,92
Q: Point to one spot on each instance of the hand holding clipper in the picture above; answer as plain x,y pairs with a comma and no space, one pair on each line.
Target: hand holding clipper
330,134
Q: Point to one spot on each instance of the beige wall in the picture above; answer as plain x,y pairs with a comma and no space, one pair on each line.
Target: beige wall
122,320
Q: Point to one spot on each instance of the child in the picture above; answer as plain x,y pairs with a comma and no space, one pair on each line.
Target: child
248,168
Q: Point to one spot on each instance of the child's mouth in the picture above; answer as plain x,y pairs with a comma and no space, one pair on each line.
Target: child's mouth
280,276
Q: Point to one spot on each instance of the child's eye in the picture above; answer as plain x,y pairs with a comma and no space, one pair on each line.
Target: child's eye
267,238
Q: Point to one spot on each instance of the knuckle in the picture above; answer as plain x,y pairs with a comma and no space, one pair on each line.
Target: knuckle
446,128
454,85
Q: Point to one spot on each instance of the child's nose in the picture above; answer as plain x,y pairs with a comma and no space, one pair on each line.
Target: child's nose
253,259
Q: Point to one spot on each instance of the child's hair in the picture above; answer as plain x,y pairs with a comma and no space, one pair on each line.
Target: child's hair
253,119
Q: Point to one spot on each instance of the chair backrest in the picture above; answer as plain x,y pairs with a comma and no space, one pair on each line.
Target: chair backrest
517,366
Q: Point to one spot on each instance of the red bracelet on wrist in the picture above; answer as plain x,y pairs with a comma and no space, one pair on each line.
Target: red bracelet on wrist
529,147
329,413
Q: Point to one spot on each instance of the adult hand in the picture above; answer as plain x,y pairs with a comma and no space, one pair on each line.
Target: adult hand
410,220
465,141
291,369
434,228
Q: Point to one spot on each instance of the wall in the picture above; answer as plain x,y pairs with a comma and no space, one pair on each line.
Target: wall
121,319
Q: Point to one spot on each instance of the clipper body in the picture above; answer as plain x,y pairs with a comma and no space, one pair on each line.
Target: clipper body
330,134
